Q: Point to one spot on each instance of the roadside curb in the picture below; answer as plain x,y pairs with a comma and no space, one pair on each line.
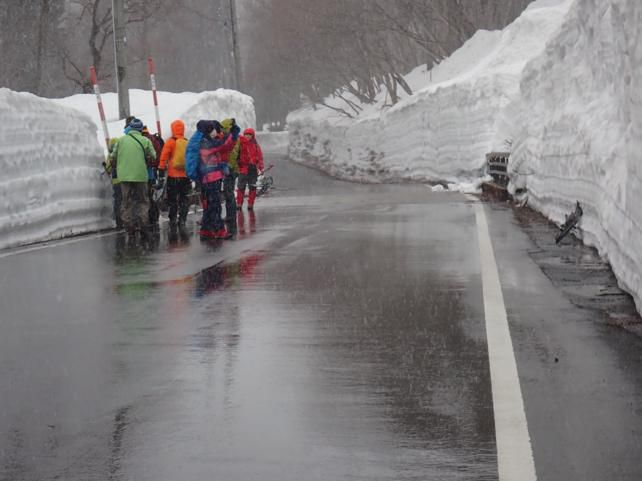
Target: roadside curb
577,270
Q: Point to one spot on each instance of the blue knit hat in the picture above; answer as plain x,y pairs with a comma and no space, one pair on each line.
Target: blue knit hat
136,124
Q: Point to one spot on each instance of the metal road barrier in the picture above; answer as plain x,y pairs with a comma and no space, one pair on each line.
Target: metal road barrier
497,167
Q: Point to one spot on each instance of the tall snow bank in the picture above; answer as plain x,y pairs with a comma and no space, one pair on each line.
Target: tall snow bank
443,131
50,185
578,132
187,106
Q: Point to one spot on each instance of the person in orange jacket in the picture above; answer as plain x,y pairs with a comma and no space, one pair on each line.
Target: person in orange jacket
250,165
172,161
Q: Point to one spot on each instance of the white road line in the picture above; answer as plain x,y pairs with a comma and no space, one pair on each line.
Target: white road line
514,451
55,243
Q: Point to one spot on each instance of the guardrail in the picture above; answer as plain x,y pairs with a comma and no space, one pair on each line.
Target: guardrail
497,167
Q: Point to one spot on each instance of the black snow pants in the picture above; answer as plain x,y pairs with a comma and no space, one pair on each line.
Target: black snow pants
178,190
230,202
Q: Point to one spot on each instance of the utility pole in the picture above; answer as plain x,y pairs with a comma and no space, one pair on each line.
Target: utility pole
120,49
235,46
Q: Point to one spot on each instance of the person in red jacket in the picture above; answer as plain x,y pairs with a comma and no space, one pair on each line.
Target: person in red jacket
172,160
250,166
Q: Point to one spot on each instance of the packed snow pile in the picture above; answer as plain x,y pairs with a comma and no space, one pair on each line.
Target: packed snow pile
187,106
578,130
445,129
473,187
50,161
273,142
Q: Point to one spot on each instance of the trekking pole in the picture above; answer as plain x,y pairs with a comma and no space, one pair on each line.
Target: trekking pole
101,110
152,79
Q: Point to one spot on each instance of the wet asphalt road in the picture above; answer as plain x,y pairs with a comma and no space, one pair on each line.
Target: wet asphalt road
340,337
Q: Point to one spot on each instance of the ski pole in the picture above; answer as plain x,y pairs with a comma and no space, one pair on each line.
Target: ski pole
152,79
101,110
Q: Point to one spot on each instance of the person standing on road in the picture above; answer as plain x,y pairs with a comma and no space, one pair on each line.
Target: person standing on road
110,168
229,183
152,167
117,196
130,154
250,166
172,161
205,165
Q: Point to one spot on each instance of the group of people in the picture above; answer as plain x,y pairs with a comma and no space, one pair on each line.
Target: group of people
222,162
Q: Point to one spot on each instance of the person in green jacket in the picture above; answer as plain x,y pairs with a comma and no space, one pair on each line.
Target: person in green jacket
130,155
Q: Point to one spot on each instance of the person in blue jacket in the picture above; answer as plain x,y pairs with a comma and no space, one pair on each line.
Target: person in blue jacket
205,164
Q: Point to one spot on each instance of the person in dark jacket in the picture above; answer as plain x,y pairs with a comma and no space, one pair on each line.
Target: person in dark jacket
154,210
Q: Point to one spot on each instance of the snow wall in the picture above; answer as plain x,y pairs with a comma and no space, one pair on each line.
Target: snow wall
188,106
563,83
50,185
578,130
444,131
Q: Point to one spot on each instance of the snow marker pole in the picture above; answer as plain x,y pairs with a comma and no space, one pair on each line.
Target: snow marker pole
101,109
152,79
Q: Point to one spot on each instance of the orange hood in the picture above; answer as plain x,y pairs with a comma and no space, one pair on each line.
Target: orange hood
178,129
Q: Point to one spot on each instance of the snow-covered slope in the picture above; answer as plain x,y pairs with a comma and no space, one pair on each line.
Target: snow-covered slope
49,158
187,106
578,130
443,131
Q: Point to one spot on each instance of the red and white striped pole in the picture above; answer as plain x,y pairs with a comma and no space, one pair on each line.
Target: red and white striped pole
152,79
101,110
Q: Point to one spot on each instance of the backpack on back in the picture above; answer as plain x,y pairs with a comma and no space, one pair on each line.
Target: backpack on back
158,143
193,156
178,159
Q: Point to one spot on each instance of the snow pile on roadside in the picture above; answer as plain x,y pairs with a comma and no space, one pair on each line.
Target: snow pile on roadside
473,187
187,106
444,130
50,163
273,142
578,131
